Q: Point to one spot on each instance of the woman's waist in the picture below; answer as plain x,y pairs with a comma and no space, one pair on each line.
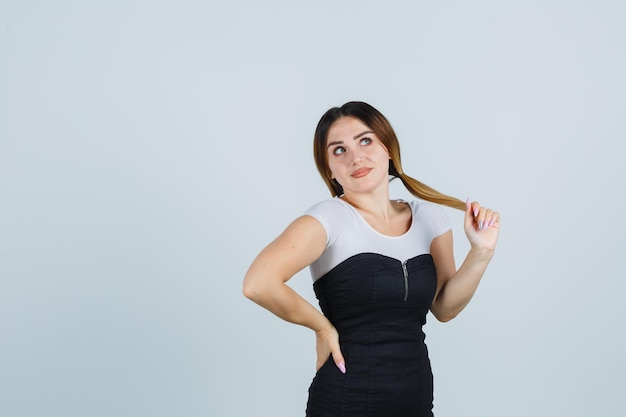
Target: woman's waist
381,334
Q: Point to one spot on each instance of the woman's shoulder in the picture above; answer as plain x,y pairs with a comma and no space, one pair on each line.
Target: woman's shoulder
431,213
333,214
418,204
330,205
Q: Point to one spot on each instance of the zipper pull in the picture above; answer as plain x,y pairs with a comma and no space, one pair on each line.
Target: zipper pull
406,280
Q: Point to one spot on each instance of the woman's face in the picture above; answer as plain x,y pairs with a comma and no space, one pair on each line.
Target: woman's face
356,157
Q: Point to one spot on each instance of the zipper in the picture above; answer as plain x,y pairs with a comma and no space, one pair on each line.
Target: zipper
406,280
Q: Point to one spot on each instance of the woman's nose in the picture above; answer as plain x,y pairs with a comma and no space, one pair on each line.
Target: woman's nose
357,156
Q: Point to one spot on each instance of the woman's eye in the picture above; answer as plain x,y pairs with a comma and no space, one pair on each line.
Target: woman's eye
339,150
366,141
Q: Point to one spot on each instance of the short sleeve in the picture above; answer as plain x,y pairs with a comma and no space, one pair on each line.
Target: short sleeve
435,216
441,223
332,215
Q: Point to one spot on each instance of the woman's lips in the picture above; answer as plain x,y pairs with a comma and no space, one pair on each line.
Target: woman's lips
361,172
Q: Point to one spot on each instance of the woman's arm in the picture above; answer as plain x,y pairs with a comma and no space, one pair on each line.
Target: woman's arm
455,288
299,245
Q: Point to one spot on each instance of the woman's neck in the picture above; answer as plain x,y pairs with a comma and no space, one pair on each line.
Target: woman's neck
377,204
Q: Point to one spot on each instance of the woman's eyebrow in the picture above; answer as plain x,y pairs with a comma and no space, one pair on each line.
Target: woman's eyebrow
339,142
361,134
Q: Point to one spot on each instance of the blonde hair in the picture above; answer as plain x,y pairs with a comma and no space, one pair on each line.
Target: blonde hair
383,130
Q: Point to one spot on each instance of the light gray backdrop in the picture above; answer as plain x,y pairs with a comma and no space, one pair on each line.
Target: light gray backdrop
149,150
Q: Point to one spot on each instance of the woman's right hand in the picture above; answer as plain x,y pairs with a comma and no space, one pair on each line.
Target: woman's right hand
327,343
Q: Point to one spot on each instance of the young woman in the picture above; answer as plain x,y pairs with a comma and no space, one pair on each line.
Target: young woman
378,267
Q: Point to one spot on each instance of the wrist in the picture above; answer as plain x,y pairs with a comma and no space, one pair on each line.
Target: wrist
481,254
323,326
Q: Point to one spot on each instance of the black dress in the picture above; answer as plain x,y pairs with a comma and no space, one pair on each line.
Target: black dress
378,305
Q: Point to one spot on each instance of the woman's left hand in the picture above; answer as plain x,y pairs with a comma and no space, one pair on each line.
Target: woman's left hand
482,226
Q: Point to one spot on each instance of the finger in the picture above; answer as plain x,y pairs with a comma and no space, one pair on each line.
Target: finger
469,213
473,214
495,219
480,218
339,360
489,219
475,208
486,217
320,362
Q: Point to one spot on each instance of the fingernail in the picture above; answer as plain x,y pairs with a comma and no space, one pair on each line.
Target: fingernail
342,367
480,225
475,212
467,202
491,222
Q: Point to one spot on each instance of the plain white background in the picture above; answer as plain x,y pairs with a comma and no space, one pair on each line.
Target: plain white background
149,150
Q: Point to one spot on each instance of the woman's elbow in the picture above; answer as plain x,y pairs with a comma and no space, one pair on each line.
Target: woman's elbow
444,317
251,290
258,289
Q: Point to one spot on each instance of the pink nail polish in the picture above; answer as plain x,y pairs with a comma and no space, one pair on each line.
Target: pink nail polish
475,212
342,367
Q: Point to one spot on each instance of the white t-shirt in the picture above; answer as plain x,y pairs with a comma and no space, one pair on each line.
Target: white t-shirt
348,234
